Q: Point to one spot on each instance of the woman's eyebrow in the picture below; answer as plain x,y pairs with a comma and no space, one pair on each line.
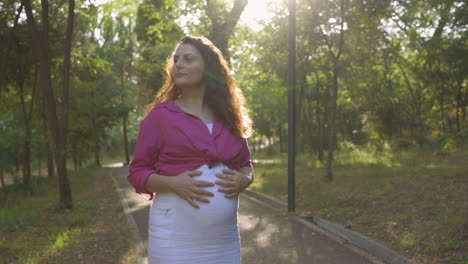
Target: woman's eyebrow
189,55
186,55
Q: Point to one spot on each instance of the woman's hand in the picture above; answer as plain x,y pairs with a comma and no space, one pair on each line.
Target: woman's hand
234,182
189,189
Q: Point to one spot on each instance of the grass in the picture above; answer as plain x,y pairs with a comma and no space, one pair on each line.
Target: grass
412,200
30,223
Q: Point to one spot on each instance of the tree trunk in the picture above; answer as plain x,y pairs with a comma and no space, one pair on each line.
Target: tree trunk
75,158
301,118
97,149
125,138
464,109
47,144
124,130
443,118
459,107
281,137
41,51
39,161
27,136
49,156
27,156
320,130
65,191
223,25
465,215
320,126
17,160
27,114
2,179
332,128
334,93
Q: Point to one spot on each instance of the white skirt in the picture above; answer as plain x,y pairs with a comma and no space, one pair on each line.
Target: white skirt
179,233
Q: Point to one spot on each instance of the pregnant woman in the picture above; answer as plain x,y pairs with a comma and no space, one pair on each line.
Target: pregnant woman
192,157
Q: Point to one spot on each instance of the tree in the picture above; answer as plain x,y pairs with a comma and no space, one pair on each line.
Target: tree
223,22
8,36
157,33
57,129
333,34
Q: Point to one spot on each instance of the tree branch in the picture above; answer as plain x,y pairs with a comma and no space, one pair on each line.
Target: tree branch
7,47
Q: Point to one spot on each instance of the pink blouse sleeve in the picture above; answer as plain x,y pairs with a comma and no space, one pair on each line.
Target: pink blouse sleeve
245,152
145,155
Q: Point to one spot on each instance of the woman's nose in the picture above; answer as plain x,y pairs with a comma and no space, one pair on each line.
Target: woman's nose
178,64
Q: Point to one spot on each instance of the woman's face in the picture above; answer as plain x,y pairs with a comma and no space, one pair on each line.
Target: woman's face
188,66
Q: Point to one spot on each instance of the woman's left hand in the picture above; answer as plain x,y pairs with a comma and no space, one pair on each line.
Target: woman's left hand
234,182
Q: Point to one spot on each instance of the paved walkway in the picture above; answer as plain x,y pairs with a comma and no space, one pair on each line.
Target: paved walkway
267,235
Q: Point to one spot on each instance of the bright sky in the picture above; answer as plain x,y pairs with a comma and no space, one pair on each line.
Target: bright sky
100,2
255,11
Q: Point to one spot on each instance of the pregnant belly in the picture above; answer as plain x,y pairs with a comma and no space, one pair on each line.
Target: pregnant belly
220,213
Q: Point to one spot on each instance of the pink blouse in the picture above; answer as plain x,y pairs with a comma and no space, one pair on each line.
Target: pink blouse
171,141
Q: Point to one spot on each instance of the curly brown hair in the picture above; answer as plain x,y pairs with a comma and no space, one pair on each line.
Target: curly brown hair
221,94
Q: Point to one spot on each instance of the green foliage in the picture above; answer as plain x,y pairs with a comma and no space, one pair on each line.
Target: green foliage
157,33
403,72
9,131
32,223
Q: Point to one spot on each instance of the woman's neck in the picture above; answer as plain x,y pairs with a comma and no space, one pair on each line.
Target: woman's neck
192,99
193,103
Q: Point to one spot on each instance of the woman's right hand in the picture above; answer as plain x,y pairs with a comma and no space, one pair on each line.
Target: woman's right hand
189,189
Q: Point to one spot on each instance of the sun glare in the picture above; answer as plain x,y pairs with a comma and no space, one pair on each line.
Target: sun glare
254,13
257,11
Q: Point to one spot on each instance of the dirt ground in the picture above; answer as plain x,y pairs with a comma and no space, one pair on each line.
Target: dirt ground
108,238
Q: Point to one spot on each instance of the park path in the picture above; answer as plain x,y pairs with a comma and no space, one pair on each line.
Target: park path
268,235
